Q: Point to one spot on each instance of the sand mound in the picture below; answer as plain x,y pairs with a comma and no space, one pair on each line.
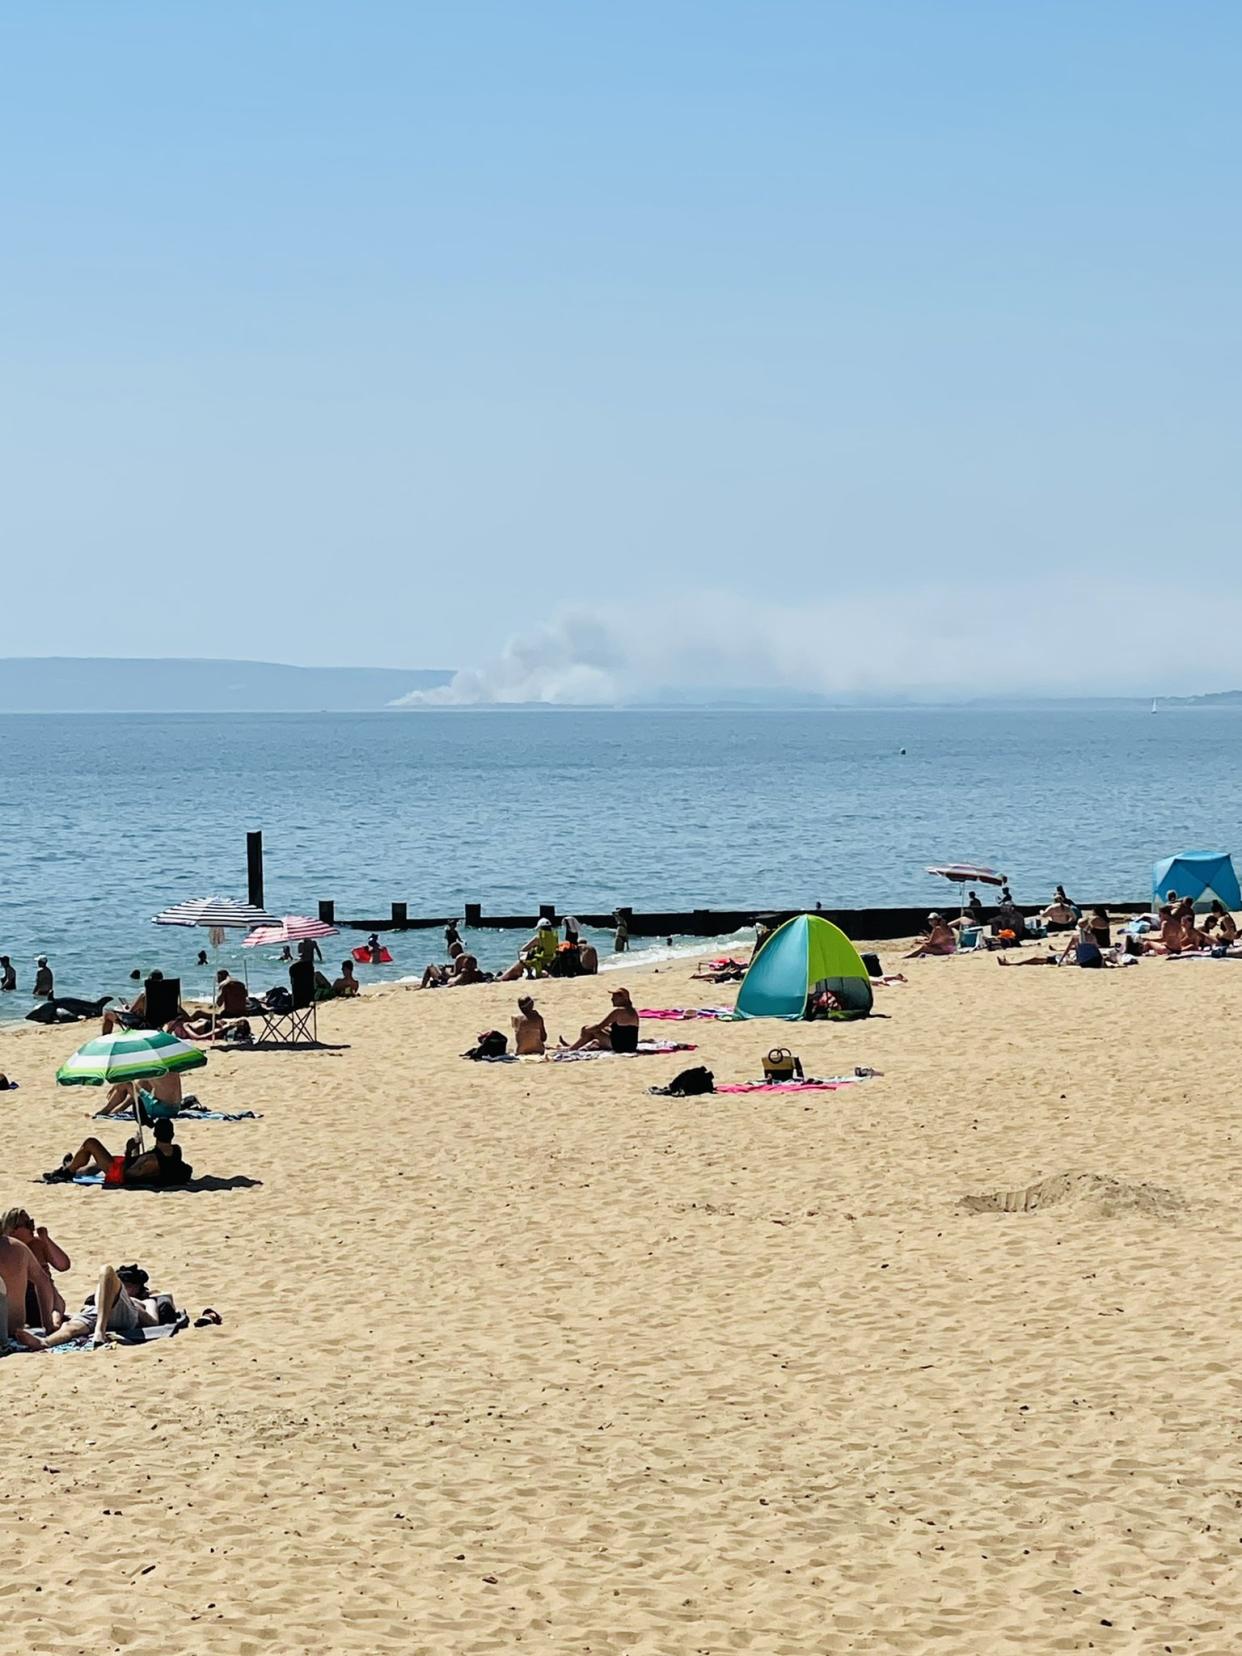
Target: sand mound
1106,1197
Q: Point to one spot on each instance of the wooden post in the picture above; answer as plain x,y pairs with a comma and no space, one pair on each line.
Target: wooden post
254,867
474,914
400,913
547,911
327,911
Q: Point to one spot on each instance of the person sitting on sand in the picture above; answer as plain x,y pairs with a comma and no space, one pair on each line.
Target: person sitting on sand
347,984
535,955
18,1274
1058,915
164,1165
1085,948
938,940
530,1035
119,1305
616,1032
1192,937
232,996
1226,928
1101,927
466,972
164,1089
588,960
45,1305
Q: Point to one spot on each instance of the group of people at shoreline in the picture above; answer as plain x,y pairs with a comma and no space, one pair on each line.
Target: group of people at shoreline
1173,928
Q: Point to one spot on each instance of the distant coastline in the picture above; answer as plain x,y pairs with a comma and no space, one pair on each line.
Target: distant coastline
101,684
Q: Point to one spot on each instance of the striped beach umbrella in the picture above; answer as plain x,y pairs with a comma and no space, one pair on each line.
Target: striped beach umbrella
968,874
135,1055
216,913
290,928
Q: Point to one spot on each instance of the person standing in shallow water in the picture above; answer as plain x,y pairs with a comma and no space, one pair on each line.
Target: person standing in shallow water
8,977
43,989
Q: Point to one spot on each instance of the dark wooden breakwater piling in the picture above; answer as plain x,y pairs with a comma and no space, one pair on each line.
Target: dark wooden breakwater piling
873,924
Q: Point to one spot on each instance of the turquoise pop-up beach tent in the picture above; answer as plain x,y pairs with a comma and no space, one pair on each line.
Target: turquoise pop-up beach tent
1200,875
805,956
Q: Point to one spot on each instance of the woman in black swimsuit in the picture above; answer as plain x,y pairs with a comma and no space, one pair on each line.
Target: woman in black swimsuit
617,1032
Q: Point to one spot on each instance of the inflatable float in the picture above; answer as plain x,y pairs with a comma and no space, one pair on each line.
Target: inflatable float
371,957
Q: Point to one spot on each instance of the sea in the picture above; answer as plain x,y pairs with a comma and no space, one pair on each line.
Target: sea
106,819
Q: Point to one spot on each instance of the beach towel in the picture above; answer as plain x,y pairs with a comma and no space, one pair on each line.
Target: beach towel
672,1014
785,1086
566,1055
193,1113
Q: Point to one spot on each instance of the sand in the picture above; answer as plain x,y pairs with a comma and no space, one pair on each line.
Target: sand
519,1356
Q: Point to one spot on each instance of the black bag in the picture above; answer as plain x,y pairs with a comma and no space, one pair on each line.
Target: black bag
689,1084
491,1044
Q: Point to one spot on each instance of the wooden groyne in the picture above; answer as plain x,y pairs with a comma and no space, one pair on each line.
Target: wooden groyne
874,924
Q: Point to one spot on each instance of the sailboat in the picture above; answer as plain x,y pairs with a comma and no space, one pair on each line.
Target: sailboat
1153,704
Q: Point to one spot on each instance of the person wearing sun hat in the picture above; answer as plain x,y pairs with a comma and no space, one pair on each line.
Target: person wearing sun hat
939,939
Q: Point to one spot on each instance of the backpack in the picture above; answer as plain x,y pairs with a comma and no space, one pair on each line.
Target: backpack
689,1084
491,1044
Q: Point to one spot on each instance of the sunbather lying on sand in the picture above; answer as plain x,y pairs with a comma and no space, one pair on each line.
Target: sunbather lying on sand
726,970
616,1032
119,1305
162,1165
1082,946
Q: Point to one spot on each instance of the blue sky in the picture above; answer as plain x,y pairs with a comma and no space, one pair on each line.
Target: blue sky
391,333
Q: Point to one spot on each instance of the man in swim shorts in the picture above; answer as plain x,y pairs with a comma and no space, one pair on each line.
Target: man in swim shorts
113,1307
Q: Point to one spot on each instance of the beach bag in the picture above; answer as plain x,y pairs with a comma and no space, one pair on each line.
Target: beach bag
781,1065
491,1044
689,1084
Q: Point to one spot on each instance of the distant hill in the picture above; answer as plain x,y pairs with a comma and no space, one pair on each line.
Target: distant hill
99,684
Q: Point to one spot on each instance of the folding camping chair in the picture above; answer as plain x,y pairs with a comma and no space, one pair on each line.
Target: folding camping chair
163,1001
299,1025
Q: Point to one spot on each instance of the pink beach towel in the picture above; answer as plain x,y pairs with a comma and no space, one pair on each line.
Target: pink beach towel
784,1086
675,1014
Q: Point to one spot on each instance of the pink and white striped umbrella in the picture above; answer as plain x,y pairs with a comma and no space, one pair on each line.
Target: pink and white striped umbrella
291,929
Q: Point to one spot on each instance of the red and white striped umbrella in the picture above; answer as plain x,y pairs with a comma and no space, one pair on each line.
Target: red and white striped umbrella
968,874
292,928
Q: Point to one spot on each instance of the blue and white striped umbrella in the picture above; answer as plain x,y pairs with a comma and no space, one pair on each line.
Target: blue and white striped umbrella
216,913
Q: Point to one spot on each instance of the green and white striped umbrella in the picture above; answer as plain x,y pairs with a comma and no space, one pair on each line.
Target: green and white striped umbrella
134,1055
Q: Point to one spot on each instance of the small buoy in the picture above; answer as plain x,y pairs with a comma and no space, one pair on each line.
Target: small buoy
901,750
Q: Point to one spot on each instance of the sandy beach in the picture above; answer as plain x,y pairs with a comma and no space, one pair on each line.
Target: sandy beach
519,1356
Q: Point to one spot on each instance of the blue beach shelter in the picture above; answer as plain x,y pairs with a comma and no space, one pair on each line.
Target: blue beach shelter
805,956
1200,875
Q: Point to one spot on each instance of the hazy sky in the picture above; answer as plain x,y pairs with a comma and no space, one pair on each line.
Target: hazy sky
386,332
